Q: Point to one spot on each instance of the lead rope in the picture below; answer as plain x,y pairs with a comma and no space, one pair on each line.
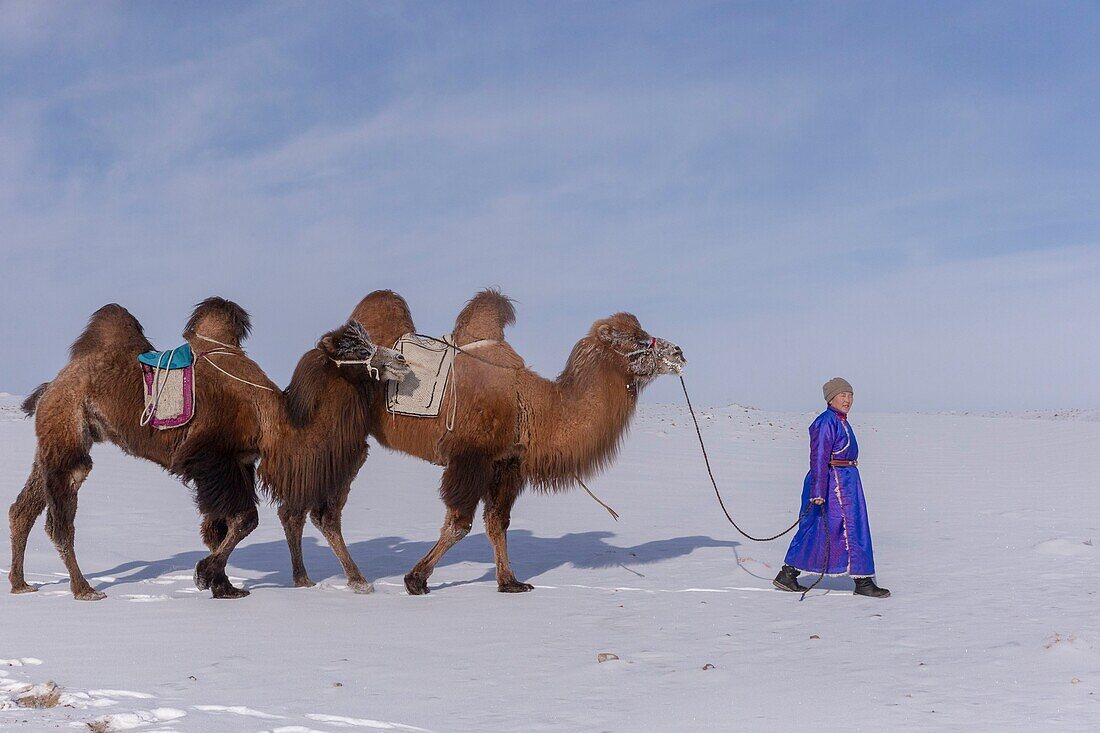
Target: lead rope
825,565
806,511
614,514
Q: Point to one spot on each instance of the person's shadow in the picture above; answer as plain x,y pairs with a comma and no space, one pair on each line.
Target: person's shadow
392,557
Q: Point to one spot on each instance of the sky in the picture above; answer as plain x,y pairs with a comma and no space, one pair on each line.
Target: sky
904,194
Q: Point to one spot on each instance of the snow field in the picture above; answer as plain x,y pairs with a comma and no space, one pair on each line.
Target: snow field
984,528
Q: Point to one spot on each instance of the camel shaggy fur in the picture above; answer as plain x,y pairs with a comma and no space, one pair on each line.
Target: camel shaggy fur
512,428
240,417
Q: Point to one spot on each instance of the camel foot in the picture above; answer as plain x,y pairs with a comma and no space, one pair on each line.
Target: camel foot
303,582
23,588
415,585
514,586
228,591
361,586
89,594
209,575
200,578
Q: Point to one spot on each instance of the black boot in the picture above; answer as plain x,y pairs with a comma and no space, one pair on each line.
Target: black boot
867,587
788,580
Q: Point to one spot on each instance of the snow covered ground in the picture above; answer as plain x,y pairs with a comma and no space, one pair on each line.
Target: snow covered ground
986,530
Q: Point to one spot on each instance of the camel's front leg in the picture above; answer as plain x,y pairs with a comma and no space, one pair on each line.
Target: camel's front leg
326,518
294,522
456,525
498,515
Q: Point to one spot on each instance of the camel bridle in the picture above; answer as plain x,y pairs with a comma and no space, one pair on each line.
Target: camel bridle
651,349
374,371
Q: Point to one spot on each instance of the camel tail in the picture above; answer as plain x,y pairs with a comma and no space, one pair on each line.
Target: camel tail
31,403
485,317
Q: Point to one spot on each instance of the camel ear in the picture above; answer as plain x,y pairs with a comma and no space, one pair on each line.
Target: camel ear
327,344
606,333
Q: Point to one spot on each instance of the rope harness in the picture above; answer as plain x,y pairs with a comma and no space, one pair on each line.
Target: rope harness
806,511
217,352
159,384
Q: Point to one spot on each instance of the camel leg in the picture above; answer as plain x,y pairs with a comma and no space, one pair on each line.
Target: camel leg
214,530
225,492
327,518
498,515
61,492
210,571
465,480
22,515
294,522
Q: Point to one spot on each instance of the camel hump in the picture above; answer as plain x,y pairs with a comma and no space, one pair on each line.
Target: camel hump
221,319
485,317
112,326
385,315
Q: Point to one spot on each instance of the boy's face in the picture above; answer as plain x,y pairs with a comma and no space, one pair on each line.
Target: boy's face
842,402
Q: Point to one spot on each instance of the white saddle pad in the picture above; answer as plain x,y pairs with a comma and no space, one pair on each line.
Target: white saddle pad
421,393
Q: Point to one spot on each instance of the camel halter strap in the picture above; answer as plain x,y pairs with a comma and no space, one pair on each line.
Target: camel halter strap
651,347
374,372
217,352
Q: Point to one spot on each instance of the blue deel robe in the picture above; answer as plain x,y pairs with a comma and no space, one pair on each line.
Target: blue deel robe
850,553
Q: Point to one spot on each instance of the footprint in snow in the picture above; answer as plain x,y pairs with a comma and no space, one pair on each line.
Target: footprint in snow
237,710
21,662
342,721
1062,547
131,721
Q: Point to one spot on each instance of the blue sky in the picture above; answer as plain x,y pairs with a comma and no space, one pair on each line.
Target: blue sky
906,194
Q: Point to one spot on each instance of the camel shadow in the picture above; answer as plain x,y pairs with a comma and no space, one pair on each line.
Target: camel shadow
392,557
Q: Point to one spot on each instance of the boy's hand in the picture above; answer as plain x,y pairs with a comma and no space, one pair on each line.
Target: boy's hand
819,501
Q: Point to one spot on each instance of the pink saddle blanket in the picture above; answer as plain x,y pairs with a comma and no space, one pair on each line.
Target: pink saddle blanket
169,396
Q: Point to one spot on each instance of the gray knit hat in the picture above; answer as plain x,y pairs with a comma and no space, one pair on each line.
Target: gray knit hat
835,386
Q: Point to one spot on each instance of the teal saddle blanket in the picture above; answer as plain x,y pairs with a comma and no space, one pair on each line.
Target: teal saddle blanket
177,358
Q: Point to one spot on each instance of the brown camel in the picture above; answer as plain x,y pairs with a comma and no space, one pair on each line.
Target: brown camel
512,427
240,416
316,480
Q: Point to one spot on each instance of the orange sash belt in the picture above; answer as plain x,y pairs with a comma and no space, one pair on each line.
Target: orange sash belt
843,464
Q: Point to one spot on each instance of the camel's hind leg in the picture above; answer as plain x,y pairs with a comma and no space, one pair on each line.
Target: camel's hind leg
225,492
498,514
62,484
22,515
327,518
210,571
294,522
465,480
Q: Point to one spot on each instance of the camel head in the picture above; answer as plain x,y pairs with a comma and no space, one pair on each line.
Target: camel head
351,348
647,357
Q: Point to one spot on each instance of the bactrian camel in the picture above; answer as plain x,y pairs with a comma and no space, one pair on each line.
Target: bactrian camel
241,416
512,428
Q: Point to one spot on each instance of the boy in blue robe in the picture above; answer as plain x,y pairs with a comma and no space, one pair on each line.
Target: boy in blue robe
833,487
